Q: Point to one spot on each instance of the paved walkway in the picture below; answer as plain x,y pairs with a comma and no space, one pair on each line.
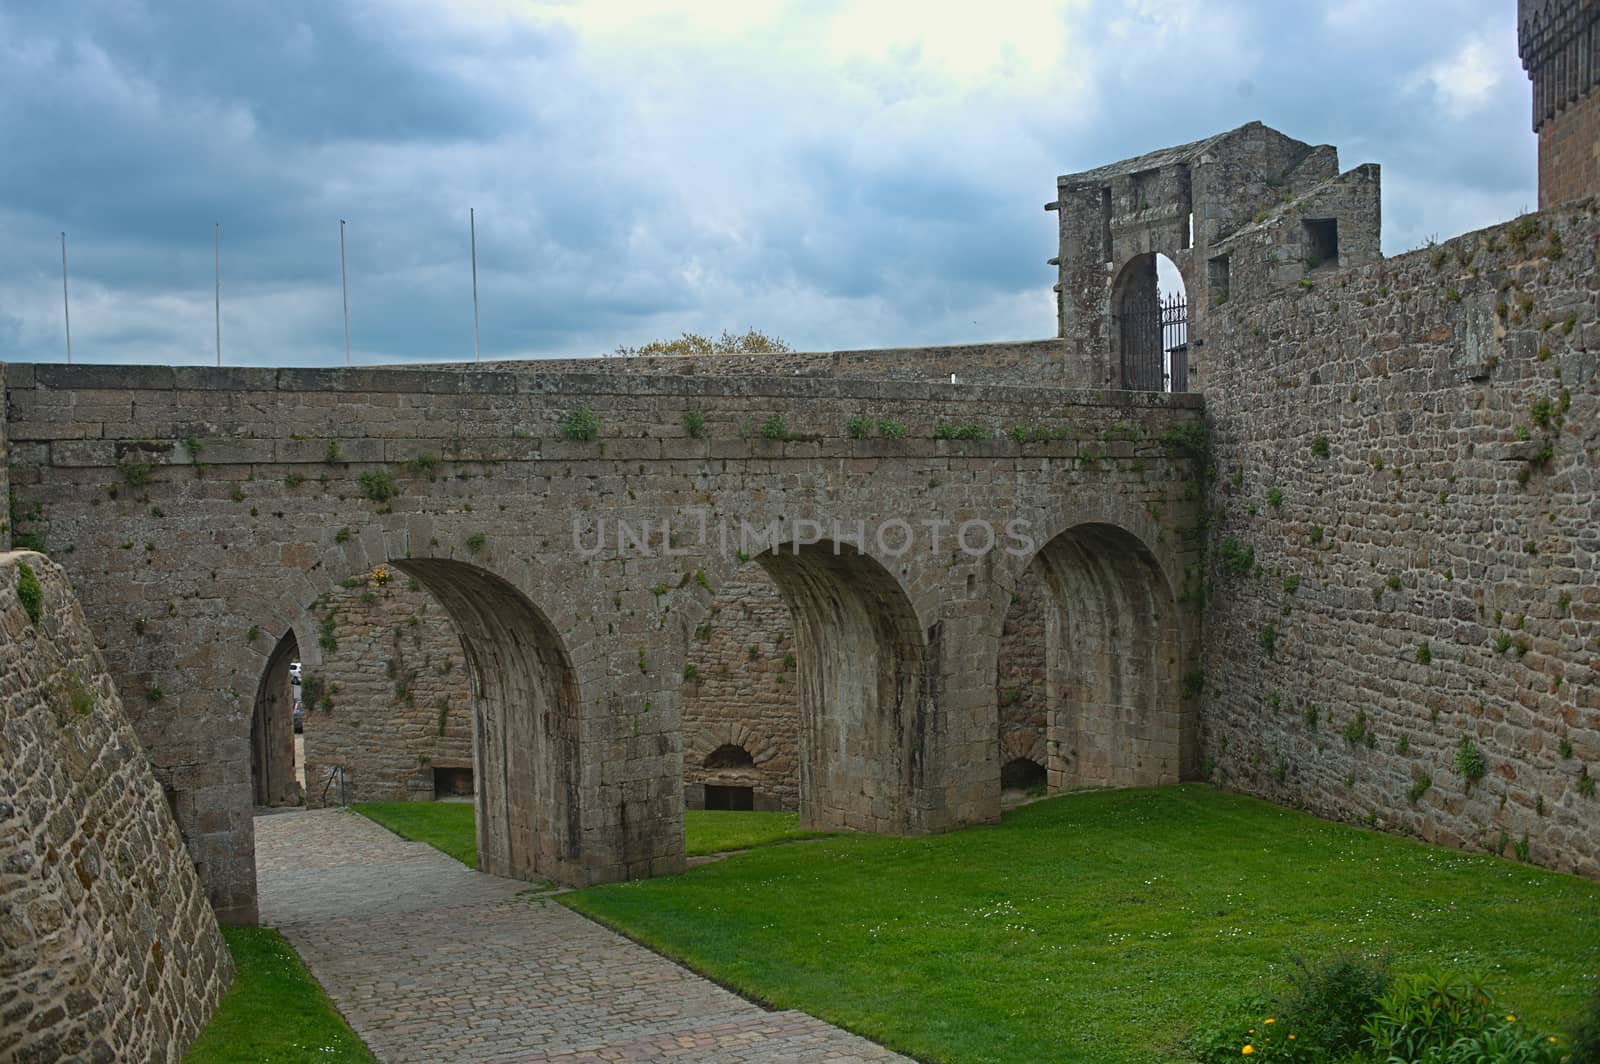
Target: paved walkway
431,961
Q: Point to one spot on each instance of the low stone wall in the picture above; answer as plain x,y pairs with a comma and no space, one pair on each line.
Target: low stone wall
1020,362
110,950
1403,602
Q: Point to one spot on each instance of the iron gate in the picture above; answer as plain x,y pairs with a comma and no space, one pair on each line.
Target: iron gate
1155,345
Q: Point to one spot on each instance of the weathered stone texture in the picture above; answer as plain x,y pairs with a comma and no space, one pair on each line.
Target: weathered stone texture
110,951
399,704
577,646
1569,153
744,692
1411,450
1021,682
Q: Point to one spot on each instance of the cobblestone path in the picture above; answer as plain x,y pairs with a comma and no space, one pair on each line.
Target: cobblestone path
431,961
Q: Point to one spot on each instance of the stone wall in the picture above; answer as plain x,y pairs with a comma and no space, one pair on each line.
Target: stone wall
1021,680
1403,607
1020,363
110,951
200,508
744,692
1569,153
397,707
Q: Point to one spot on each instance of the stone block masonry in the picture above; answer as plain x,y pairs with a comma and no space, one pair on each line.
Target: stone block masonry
109,949
1403,591
397,718
204,512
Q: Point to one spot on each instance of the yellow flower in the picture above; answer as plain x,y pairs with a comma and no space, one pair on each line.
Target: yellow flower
1247,1050
1291,1038
1270,1020
1511,1019
1552,1039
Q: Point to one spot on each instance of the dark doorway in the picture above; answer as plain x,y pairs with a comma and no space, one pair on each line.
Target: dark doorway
452,782
730,799
1022,774
272,760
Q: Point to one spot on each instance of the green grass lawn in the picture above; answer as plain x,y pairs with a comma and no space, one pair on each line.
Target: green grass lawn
709,831
1100,926
275,1011
449,826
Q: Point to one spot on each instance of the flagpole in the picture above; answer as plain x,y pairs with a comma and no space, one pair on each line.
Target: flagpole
216,251
472,220
66,310
344,283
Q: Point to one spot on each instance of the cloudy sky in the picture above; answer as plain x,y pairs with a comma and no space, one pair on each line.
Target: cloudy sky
840,174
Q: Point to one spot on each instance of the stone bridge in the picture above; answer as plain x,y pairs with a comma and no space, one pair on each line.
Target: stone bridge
204,514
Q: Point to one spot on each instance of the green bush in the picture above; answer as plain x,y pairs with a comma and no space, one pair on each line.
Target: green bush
694,423
1236,556
1585,1048
1441,1018
1318,1016
774,428
582,425
29,593
1319,446
963,432
378,486
859,428
1328,1000
891,429
1469,760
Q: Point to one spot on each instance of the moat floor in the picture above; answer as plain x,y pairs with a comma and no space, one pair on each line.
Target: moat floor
430,961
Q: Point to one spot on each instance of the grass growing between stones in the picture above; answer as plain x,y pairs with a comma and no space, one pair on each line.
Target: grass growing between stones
450,826
275,1011
1101,926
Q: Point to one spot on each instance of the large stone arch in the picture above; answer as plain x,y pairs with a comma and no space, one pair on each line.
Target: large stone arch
1114,654
867,683
526,713
525,722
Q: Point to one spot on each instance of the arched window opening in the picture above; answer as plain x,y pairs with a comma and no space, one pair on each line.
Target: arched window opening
1151,306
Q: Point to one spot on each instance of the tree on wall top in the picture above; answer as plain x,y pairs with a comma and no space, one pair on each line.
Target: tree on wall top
751,343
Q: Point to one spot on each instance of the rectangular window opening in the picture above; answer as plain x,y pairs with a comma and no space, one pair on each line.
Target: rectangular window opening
452,782
1217,280
1320,237
730,799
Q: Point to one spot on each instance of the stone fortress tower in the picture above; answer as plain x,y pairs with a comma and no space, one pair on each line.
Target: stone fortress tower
1559,41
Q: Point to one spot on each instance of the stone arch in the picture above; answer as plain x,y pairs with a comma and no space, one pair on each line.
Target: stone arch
272,761
866,683
1141,359
1022,774
1113,649
525,721
729,756
525,716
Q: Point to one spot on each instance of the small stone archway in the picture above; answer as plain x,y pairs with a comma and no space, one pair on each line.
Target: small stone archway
866,682
1113,661
272,757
